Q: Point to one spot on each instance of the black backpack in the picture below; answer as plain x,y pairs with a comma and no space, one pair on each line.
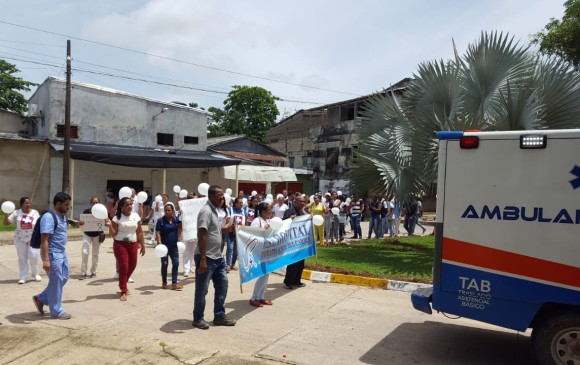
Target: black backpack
35,240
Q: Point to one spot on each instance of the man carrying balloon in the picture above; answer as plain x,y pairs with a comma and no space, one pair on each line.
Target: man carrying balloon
91,240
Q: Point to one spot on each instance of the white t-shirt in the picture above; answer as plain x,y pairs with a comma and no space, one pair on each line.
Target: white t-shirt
222,215
24,224
279,210
127,227
260,222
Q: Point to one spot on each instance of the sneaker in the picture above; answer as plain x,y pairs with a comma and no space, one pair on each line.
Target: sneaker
131,280
300,285
224,321
63,315
38,304
37,278
93,275
185,274
83,277
201,324
289,287
21,281
424,230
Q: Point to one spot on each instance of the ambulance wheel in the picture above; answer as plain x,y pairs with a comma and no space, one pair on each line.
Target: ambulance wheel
557,340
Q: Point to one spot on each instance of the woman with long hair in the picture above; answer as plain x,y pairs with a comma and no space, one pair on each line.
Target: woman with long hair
25,219
125,228
251,210
264,211
168,232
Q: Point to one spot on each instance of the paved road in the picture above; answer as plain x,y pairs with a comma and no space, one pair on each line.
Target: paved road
318,324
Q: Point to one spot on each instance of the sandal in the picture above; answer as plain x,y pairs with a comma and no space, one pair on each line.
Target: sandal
123,297
177,287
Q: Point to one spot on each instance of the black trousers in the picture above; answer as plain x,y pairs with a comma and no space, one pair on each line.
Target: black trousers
294,273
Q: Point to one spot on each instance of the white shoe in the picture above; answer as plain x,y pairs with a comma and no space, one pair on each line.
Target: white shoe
21,281
131,280
185,274
37,278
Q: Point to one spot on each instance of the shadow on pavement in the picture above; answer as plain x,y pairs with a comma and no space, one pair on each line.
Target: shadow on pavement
178,326
26,317
441,343
107,296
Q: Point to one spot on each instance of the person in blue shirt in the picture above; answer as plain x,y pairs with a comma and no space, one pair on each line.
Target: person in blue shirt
168,231
54,259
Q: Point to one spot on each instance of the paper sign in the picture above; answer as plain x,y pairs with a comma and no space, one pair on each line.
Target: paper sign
189,210
92,224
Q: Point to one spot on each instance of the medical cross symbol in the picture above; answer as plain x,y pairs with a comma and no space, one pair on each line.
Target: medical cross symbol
27,219
576,172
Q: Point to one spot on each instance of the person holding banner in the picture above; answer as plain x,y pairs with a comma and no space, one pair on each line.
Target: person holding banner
294,271
168,232
238,215
210,263
264,211
91,240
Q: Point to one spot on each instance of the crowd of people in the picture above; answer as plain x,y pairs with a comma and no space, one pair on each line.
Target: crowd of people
213,252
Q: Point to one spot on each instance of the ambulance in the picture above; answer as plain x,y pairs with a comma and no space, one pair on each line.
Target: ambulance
507,236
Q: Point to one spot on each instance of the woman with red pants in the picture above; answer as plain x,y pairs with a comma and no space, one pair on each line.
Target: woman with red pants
127,233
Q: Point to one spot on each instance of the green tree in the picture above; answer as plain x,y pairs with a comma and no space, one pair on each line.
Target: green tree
215,125
497,85
10,85
562,37
250,110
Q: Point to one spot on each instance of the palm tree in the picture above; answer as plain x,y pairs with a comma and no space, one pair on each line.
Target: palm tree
497,85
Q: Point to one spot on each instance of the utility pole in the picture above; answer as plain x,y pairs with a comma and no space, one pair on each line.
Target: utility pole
66,152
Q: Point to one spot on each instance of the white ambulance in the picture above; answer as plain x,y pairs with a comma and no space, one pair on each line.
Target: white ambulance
507,243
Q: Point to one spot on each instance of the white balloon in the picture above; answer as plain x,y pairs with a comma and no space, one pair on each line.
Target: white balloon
181,247
202,188
229,191
335,211
176,189
99,211
254,193
161,250
270,196
339,193
183,194
125,192
141,197
269,201
276,223
317,220
8,207
158,198
227,198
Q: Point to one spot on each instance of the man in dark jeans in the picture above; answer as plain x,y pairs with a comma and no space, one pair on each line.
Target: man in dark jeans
210,263
294,271
375,222
410,211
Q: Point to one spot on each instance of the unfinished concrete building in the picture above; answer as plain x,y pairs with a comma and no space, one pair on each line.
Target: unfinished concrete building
322,142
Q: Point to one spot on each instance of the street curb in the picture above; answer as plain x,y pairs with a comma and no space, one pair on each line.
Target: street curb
325,277
74,236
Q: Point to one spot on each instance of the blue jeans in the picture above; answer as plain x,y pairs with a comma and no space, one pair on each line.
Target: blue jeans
216,272
57,278
231,250
172,252
355,222
375,224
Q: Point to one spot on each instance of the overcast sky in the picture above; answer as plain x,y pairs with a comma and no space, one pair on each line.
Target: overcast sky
308,53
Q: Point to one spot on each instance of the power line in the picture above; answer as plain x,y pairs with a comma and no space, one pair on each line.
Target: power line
175,60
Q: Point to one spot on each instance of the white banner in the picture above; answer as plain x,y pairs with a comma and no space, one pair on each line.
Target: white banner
189,210
92,224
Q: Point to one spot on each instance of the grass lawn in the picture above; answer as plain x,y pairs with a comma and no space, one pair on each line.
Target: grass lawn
402,258
4,228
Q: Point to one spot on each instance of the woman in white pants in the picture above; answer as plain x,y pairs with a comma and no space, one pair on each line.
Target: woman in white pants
90,242
188,256
25,219
263,212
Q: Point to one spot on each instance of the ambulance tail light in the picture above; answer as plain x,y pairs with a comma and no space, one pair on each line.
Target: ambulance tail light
469,142
532,141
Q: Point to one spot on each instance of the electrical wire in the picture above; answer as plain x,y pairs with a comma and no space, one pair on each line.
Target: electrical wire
174,59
